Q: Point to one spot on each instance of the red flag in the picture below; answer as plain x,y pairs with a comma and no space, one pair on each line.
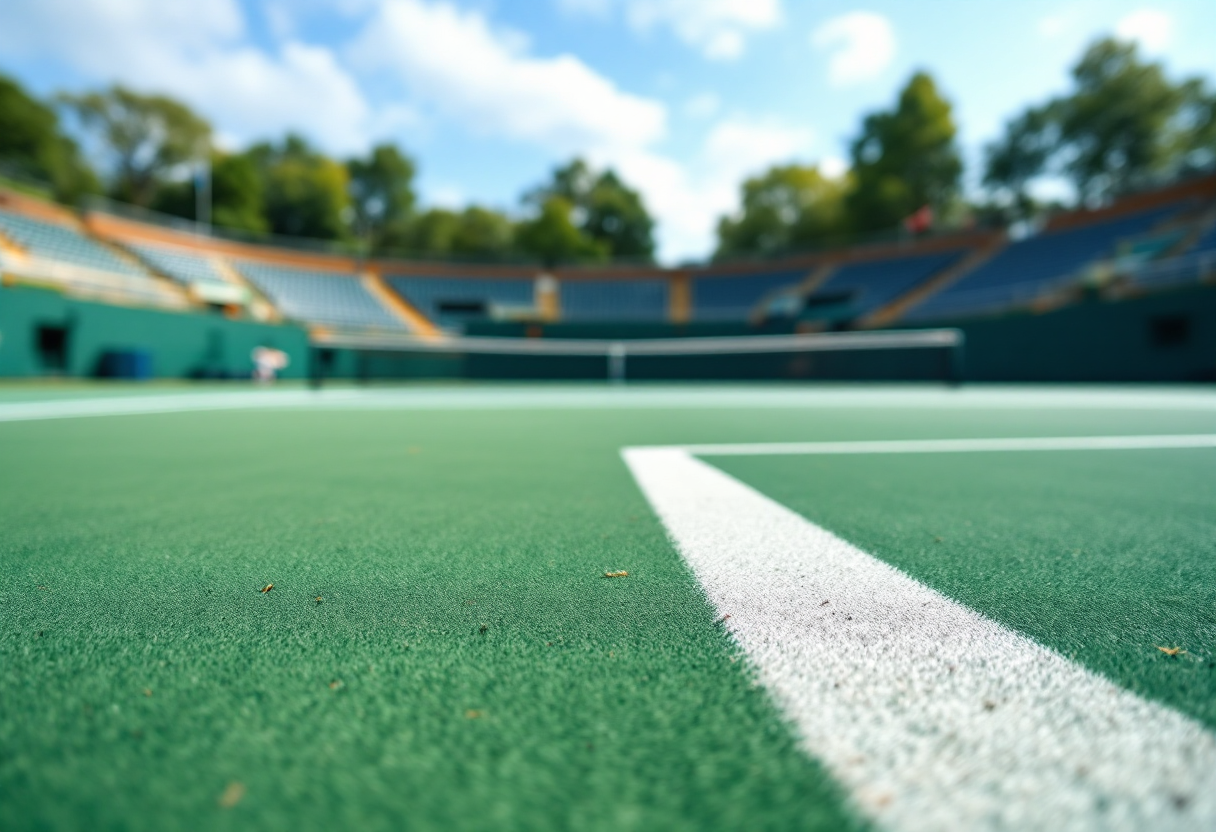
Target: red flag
920,221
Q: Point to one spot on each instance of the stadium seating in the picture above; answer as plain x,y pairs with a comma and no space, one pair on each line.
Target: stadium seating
614,300
450,302
873,284
53,241
732,298
1028,267
328,298
1207,242
184,266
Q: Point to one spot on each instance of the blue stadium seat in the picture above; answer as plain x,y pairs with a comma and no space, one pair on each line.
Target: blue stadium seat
452,301
1028,267
876,283
732,297
614,300
53,241
184,266
327,298
1207,242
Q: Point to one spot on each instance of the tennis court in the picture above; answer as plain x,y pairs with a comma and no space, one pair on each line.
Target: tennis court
844,607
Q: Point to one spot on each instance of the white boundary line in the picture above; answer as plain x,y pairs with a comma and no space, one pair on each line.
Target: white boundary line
933,716
598,397
939,446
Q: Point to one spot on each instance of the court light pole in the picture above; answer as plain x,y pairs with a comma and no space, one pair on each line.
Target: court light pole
202,189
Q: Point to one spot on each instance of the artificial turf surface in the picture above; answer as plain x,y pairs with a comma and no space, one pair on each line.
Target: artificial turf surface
467,666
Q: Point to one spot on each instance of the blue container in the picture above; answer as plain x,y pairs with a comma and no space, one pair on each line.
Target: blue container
134,365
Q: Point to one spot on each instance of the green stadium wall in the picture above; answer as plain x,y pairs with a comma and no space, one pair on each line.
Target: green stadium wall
1164,337
1168,336
182,345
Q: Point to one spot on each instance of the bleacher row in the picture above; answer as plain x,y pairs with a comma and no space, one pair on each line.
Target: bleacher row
845,287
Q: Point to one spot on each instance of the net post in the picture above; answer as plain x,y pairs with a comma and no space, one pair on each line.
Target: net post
957,356
616,363
316,371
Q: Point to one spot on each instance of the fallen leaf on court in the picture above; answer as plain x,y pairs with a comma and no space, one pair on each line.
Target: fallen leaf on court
1171,651
621,574
267,588
147,691
319,599
232,795
335,684
471,714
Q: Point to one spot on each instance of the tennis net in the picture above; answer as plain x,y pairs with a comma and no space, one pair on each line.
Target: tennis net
878,355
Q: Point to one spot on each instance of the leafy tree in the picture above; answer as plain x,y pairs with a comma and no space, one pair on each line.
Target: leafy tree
381,189
305,192
603,208
236,195
1118,120
616,216
147,136
1123,125
788,207
553,237
430,232
31,143
904,159
475,232
483,232
1019,157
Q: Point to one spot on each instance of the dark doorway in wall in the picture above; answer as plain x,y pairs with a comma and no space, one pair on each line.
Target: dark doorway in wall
1170,330
51,341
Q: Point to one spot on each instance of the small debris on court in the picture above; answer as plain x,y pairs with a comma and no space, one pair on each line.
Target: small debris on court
1171,651
318,599
722,620
472,714
621,574
482,629
147,691
335,684
267,588
232,795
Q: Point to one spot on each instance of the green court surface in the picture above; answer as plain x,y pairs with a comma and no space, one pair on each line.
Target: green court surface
441,649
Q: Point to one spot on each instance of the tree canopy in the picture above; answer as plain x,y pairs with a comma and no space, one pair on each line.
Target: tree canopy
553,236
1123,125
788,207
145,136
904,159
33,145
305,193
381,189
602,208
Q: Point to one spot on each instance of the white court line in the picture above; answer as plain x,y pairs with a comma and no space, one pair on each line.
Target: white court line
933,716
938,446
598,397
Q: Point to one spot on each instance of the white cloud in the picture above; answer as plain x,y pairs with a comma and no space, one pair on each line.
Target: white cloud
1153,29
456,63
689,196
718,28
1054,25
833,167
862,45
200,53
447,196
703,105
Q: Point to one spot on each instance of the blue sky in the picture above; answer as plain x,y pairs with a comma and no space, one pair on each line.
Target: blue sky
684,97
